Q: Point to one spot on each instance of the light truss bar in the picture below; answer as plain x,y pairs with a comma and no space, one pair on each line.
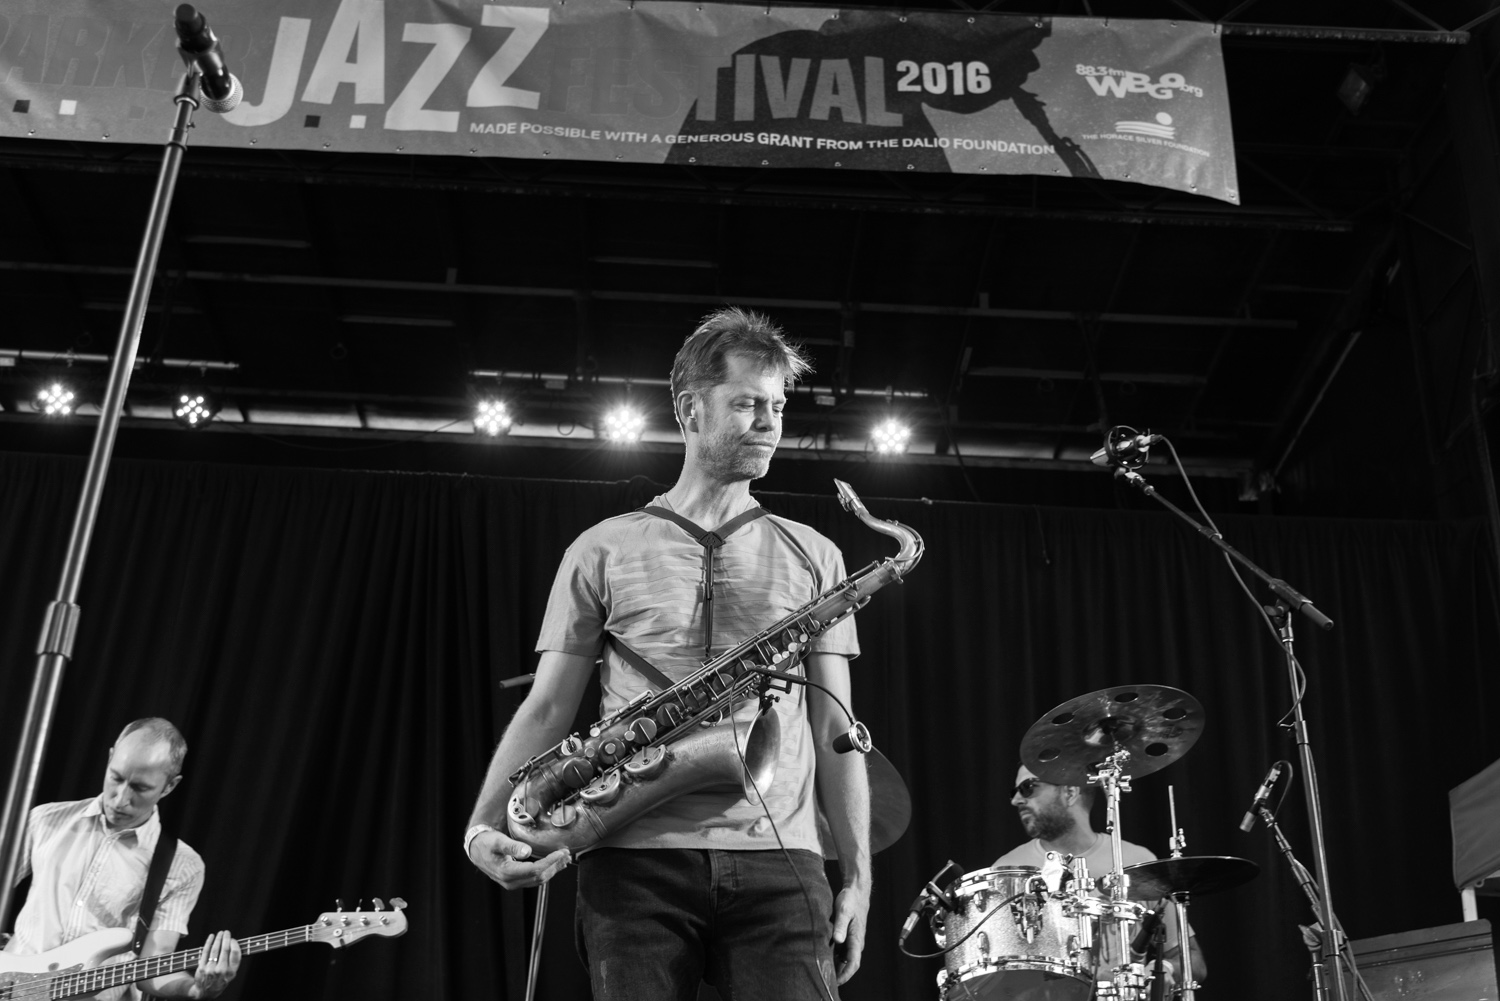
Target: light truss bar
671,188
559,380
10,357
1330,33
527,291
310,424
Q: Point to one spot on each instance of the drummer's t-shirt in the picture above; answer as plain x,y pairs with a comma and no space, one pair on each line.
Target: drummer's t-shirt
1100,859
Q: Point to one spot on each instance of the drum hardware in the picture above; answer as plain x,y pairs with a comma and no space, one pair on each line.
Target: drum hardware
1106,738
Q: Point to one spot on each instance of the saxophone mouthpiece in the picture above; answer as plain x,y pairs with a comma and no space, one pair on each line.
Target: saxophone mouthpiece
847,496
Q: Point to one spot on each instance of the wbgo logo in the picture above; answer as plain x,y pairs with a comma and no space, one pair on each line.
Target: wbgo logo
1118,83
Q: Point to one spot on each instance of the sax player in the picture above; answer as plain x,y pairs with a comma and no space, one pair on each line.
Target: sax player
707,885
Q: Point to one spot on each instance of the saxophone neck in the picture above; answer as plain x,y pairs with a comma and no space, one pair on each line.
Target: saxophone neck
911,542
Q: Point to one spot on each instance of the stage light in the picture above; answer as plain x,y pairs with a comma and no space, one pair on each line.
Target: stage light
193,408
56,399
891,438
623,426
1359,80
492,418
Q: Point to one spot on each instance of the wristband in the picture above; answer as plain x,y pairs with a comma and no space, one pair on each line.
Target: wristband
473,833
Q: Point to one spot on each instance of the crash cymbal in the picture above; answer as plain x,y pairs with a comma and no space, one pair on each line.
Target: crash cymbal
1188,874
1156,724
890,807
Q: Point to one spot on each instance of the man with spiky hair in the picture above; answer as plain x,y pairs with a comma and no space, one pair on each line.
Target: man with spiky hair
88,860
707,885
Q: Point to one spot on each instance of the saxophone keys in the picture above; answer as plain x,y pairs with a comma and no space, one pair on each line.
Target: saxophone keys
604,789
519,814
612,749
669,716
563,815
642,731
646,763
577,773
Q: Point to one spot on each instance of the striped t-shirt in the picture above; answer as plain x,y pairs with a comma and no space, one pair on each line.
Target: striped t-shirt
639,577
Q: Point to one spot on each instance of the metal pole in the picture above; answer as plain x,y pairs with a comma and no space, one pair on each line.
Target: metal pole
60,624
533,968
1333,953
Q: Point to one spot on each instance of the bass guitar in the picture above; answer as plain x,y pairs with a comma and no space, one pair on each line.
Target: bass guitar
81,967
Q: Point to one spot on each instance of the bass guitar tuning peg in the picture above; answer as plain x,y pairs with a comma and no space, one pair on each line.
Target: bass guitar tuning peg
377,904
398,903
338,905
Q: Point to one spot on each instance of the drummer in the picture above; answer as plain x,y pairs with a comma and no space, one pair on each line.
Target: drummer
1057,819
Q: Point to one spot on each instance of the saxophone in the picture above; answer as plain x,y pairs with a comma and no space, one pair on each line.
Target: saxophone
665,744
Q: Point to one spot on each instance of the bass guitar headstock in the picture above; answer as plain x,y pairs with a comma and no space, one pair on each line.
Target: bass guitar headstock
340,928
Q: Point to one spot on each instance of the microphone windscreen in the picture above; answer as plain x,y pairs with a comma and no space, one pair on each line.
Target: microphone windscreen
229,101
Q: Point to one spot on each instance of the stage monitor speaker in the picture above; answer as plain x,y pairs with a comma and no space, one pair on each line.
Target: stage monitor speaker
1447,963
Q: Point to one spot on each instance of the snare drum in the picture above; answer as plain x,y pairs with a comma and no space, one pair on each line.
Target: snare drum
1021,949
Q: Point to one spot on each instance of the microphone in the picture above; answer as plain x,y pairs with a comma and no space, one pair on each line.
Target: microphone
1124,447
1148,929
922,903
1261,795
856,739
200,48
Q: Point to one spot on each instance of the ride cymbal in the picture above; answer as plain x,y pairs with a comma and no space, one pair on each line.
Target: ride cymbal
1188,874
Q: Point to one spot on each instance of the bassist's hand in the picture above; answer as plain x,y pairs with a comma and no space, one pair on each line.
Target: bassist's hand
217,965
509,863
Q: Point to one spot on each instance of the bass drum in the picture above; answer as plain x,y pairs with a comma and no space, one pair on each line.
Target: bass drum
1010,942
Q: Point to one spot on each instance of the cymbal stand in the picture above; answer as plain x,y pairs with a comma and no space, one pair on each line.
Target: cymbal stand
1187,986
1129,979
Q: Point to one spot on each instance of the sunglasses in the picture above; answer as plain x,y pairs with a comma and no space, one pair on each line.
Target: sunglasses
1026,787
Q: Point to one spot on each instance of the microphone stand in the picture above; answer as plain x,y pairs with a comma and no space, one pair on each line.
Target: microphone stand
60,623
1310,890
1332,948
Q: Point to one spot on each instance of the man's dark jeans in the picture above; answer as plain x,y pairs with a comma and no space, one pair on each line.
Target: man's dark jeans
654,922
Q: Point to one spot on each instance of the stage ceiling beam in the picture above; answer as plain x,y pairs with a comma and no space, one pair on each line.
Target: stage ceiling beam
520,291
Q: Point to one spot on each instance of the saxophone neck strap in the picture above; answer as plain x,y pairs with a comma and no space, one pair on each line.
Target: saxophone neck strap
709,541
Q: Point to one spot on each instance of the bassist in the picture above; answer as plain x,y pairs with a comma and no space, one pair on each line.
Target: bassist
89,861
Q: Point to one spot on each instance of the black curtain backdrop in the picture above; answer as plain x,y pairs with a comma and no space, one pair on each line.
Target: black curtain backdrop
331,644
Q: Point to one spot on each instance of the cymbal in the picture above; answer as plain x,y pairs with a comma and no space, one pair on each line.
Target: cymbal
1188,874
1156,724
890,807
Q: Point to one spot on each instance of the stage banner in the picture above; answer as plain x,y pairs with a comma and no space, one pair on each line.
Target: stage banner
647,82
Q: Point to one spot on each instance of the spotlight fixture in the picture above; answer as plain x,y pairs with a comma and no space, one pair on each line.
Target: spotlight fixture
55,399
1359,80
623,426
492,418
193,408
891,437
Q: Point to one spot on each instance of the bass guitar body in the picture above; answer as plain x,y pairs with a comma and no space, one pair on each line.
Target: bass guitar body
90,951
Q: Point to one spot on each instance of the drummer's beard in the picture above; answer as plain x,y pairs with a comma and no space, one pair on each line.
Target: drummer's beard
1048,824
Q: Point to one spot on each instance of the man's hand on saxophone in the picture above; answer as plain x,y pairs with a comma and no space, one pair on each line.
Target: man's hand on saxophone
542,720
508,862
